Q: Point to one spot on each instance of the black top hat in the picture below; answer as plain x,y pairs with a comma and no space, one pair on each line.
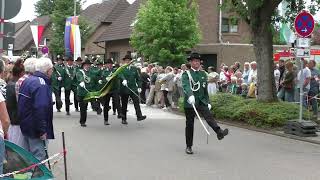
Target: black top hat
60,58
194,56
86,62
70,58
127,57
79,59
109,61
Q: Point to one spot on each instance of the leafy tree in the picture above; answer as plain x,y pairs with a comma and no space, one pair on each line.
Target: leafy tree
165,29
62,10
44,7
259,15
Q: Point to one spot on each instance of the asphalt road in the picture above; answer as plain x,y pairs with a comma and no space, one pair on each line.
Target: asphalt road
154,150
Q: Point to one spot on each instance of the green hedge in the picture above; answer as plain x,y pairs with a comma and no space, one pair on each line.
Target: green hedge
267,115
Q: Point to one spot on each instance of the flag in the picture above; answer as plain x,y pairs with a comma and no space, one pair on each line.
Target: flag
37,32
285,33
72,38
108,86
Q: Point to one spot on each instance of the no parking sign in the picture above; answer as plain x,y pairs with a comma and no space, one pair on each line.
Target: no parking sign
304,24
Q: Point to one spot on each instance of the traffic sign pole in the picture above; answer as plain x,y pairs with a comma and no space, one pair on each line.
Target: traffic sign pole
3,4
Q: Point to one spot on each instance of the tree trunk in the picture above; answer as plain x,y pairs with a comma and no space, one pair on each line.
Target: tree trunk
262,41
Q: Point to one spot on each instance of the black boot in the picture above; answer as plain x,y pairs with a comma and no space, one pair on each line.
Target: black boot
124,122
106,123
189,150
141,118
68,113
222,133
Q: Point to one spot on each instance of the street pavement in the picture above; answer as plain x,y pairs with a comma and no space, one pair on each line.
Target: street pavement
154,150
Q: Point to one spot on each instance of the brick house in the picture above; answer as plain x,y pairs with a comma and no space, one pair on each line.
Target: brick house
232,44
100,16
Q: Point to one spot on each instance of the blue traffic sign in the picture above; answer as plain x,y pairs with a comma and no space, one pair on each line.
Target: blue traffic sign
304,24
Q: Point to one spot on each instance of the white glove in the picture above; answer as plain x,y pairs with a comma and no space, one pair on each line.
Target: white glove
209,106
191,100
125,83
139,90
82,84
59,78
100,81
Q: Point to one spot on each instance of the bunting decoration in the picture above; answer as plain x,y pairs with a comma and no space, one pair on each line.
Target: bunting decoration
72,38
37,32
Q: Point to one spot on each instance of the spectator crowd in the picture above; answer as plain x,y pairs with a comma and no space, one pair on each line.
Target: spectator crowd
26,106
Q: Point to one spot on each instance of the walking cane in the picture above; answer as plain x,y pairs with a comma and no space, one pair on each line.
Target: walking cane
47,155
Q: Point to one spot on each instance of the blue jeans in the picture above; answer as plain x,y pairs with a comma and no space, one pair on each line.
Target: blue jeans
2,149
36,147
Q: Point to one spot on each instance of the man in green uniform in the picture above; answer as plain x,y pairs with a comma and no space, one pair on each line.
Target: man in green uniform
94,75
114,93
83,86
57,81
69,85
194,83
130,86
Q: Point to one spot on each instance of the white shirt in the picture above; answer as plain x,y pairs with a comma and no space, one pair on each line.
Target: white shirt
306,73
2,100
252,76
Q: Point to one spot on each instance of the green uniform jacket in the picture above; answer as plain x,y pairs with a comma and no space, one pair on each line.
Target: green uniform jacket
201,95
69,76
106,73
132,75
83,76
57,72
94,73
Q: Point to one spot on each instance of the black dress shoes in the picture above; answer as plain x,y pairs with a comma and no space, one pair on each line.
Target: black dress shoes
83,125
222,133
142,118
124,122
106,123
189,150
68,113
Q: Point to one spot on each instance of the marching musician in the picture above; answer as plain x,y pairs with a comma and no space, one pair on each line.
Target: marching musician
69,85
84,85
114,92
57,81
94,74
130,86
194,83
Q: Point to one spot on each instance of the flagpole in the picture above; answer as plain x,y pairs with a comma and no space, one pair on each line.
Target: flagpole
75,33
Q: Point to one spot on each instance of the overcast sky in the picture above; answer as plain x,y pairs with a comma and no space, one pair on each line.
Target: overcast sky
27,9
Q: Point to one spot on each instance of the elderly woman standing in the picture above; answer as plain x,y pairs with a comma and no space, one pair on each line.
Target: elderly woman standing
14,133
167,86
4,120
213,78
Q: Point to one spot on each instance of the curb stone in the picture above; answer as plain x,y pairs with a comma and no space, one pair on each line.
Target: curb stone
289,136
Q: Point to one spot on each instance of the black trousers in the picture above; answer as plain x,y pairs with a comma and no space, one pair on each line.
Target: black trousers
143,95
67,99
83,110
57,94
190,115
124,103
115,104
166,100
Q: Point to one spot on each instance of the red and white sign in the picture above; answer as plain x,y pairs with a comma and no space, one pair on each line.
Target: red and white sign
304,24
37,32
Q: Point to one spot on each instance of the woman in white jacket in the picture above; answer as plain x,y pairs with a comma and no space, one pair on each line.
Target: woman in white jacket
167,86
